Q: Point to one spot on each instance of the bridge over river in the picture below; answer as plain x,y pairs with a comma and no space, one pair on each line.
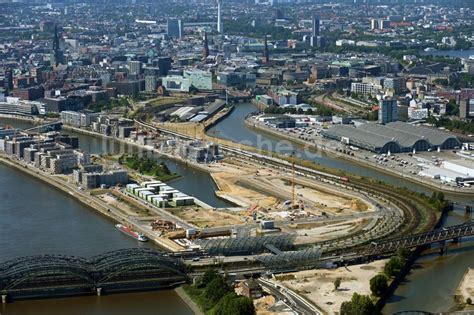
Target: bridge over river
117,271
148,269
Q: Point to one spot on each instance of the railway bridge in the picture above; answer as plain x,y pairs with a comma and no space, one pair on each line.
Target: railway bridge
454,233
148,269
117,271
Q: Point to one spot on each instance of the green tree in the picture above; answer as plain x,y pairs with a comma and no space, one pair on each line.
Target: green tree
207,277
234,304
358,305
379,284
403,253
216,289
393,266
337,284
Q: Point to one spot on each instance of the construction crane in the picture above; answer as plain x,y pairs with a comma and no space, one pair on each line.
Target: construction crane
293,181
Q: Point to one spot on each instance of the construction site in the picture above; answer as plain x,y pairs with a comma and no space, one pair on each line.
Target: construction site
267,201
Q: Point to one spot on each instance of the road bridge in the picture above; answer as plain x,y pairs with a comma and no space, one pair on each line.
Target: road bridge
51,126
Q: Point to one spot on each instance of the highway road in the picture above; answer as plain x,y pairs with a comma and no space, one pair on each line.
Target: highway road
298,303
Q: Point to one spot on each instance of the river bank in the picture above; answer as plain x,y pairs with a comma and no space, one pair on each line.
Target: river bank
362,162
465,291
188,300
38,219
87,200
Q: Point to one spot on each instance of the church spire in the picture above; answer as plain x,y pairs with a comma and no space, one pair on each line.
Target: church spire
205,49
266,55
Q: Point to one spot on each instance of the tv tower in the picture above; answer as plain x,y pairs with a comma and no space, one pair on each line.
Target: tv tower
220,28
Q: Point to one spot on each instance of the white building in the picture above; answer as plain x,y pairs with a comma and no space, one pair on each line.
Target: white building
176,83
464,167
202,80
365,88
78,119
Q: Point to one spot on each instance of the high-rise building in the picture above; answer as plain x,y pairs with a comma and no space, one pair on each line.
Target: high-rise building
374,24
397,84
151,83
174,28
387,111
220,28
466,109
315,25
383,24
135,67
315,39
164,65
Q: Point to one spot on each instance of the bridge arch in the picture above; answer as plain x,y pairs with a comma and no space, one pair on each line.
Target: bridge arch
135,263
15,273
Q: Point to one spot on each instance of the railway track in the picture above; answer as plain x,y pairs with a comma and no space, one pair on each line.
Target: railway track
410,219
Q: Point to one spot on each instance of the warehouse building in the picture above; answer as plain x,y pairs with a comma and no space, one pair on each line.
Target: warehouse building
394,137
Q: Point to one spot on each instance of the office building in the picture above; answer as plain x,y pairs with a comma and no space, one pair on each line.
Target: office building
315,25
466,109
174,28
151,83
201,80
387,111
135,67
374,24
164,66
78,119
176,83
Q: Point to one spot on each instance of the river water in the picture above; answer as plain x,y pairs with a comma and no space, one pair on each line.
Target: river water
37,219
419,290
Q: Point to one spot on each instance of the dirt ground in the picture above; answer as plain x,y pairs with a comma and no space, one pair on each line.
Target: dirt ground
466,287
248,185
204,218
318,285
227,176
122,205
311,233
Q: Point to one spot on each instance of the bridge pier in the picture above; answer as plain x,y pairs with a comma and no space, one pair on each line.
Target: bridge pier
98,291
443,249
4,298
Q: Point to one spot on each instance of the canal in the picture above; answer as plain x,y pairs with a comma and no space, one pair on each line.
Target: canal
193,182
431,286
